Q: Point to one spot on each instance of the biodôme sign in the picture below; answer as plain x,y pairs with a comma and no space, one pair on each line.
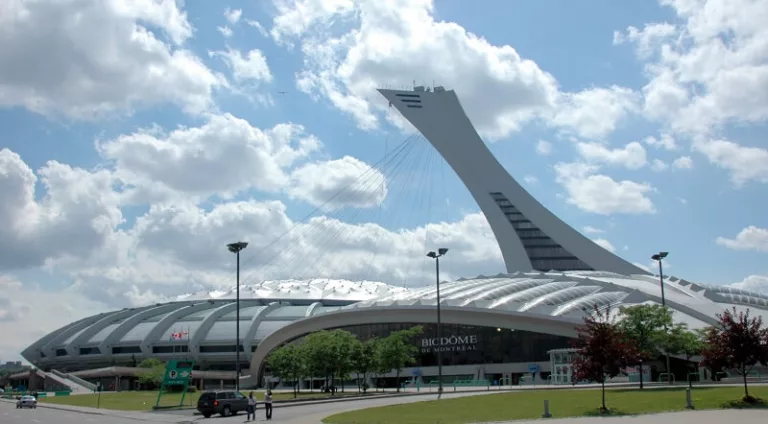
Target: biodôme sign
449,344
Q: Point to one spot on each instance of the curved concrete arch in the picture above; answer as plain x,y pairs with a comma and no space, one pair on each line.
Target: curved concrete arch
311,309
561,326
205,326
50,348
158,329
33,351
99,325
440,118
257,319
105,347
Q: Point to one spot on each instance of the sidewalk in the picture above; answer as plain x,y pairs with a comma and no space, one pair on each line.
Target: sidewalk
717,416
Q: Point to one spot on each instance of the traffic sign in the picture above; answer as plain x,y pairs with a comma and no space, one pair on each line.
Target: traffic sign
178,373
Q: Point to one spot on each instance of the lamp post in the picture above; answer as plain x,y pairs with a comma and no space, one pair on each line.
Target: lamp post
236,248
659,257
436,256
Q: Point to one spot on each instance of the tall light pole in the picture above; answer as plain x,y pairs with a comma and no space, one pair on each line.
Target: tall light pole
659,257
436,256
236,248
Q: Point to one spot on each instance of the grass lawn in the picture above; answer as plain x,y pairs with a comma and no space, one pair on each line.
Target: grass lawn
145,400
529,404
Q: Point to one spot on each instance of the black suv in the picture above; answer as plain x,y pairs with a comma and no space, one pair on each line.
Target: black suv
224,402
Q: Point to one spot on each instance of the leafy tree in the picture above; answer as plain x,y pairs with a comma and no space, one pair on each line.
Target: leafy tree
739,342
379,362
364,361
329,353
646,326
603,350
287,363
681,341
151,372
397,351
313,350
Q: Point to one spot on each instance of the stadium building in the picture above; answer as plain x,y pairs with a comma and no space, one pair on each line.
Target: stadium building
494,327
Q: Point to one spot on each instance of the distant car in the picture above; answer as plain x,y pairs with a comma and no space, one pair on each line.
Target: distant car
224,402
26,401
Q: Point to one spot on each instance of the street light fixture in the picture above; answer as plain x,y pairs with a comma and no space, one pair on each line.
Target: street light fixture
236,248
436,256
659,257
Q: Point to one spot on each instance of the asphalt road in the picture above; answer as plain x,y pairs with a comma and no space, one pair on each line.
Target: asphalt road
313,414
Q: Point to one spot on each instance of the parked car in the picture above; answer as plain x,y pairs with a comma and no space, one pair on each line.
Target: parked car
224,402
26,401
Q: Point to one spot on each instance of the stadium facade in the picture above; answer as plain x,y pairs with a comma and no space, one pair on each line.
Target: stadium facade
495,327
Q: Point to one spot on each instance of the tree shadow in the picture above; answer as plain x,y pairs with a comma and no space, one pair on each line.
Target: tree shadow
610,412
747,402
662,389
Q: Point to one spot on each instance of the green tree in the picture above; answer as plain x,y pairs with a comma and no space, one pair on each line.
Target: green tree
341,345
151,372
287,363
646,326
313,350
329,354
398,350
681,341
364,361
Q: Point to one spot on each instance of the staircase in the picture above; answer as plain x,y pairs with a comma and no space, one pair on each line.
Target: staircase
76,384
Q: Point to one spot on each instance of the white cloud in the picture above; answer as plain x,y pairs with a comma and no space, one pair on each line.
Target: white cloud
683,162
750,238
87,58
745,164
598,193
252,67
605,244
74,217
503,92
346,181
595,113
28,313
223,157
543,147
530,179
632,156
225,31
700,78
757,283
233,15
256,24
658,165
178,246
592,230
665,141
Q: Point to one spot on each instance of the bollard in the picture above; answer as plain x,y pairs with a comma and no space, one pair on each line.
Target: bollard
688,399
546,413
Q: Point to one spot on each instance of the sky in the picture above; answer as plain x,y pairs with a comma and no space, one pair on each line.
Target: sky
141,136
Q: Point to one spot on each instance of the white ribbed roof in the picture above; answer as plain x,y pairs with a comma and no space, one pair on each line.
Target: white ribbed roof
316,289
575,293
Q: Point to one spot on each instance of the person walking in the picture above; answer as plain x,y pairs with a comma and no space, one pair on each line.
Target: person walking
268,403
251,408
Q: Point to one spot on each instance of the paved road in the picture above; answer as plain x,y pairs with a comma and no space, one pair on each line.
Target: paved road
313,414
42,415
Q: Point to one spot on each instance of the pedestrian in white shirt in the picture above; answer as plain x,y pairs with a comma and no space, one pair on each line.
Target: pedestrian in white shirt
251,408
268,404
